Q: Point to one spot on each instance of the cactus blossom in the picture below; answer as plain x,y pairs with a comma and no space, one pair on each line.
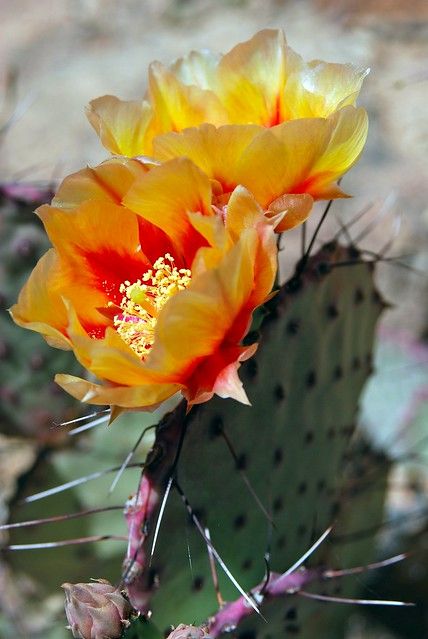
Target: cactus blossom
188,632
95,610
261,81
291,132
155,301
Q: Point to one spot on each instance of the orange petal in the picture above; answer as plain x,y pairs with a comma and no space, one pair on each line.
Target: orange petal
147,396
108,181
211,228
219,239
203,315
121,126
100,247
243,212
166,195
228,384
109,357
218,375
40,307
296,209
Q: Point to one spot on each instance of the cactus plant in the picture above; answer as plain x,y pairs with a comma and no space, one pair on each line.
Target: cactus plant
296,467
291,451
231,489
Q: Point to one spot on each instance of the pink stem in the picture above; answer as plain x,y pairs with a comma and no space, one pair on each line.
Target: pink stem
142,509
231,614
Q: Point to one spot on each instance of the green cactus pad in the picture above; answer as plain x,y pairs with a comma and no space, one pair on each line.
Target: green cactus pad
304,385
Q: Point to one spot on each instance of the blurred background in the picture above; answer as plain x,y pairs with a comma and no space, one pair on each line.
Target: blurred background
57,55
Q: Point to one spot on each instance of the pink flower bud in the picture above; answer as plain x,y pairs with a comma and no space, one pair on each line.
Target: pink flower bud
188,632
96,610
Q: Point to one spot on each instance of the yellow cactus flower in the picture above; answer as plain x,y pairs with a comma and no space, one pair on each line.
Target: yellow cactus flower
261,81
286,167
151,302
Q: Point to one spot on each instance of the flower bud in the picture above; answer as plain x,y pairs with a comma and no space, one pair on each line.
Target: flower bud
95,610
188,632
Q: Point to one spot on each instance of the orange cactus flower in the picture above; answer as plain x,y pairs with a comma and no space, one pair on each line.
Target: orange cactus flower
261,81
153,302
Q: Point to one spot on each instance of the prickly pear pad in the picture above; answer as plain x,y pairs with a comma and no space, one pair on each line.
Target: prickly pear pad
304,386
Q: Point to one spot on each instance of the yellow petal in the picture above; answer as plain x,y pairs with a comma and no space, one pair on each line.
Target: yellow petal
216,151
122,126
243,212
303,156
279,159
177,105
346,143
251,78
261,81
318,89
197,68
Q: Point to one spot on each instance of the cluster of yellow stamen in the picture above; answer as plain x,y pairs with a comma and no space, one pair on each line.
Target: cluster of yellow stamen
143,300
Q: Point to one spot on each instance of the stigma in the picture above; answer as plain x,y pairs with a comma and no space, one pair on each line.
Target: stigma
143,300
